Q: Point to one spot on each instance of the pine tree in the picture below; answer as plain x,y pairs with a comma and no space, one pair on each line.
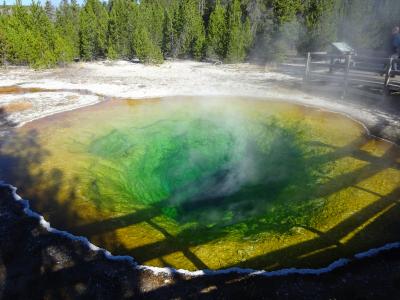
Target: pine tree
168,34
42,37
146,42
67,25
189,30
217,31
239,34
145,49
286,10
319,26
124,18
50,10
151,29
87,35
93,30
365,23
153,14
3,41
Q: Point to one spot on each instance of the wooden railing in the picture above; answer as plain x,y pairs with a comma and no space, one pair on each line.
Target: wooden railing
378,72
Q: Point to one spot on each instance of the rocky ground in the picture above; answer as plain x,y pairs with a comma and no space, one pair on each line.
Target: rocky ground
38,264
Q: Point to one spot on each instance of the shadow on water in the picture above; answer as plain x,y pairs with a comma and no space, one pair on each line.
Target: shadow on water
329,244
35,264
17,169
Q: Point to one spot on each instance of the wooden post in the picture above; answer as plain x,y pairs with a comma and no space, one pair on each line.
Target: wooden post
331,65
346,75
307,72
387,76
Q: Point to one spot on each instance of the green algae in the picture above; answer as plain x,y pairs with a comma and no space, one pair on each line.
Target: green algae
205,184
206,173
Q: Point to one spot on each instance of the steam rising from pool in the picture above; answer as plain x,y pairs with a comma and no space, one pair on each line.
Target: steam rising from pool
201,169
206,183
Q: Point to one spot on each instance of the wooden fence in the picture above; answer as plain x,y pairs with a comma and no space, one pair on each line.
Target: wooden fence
378,73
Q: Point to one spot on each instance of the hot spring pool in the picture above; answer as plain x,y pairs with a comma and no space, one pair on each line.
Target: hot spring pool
198,183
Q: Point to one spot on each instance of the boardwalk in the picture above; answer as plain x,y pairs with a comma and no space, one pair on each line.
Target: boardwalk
371,73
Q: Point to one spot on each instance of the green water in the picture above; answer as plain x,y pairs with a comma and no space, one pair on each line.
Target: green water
204,173
196,183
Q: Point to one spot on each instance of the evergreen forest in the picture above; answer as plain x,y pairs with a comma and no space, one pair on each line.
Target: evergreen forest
41,35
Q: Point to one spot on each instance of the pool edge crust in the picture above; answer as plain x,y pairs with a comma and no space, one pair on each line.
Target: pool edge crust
40,261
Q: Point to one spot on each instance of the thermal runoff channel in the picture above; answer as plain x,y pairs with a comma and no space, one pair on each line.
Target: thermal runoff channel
201,183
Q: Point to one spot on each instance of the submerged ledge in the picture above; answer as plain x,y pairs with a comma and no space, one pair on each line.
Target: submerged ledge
63,252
